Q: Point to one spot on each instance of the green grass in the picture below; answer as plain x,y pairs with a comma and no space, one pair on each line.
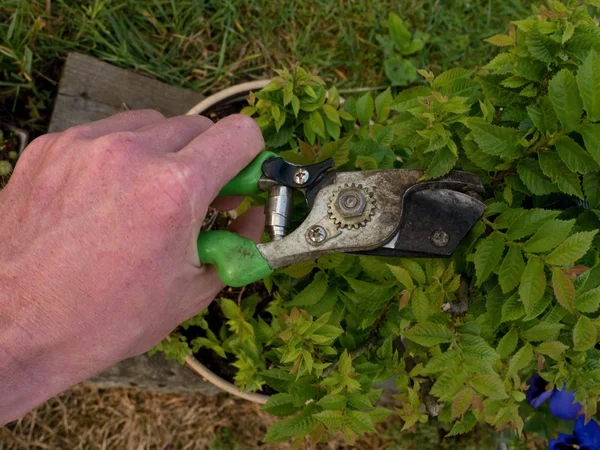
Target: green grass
208,45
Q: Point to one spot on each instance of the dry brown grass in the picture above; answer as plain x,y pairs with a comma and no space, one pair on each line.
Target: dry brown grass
88,418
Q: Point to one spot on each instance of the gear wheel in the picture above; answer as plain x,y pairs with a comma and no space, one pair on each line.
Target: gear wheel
351,206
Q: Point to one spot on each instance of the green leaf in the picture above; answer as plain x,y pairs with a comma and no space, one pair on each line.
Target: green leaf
312,293
333,420
300,425
533,283
280,405
559,173
539,307
512,309
532,176
529,222
549,235
295,105
488,256
399,32
591,138
383,102
379,414
588,80
230,309
543,331
449,383
511,270
420,305
543,116
463,426
500,40
584,334
462,402
442,163
520,360
574,156
364,109
552,348
402,276
564,291
360,422
428,334
572,249
333,402
495,140
359,401
565,98
490,386
317,124
589,301
331,113
541,47
508,343
415,270
591,188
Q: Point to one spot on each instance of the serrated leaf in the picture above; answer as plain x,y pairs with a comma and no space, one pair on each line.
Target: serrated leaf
508,343
442,163
490,386
591,188
584,334
331,114
379,414
333,420
589,301
512,309
495,140
462,402
539,307
529,222
574,156
280,405
360,422
543,331
559,173
428,334
549,235
300,425
501,40
552,348
479,158
441,362
464,426
333,402
511,269
564,291
415,270
533,283
402,276
359,401
532,176
364,109
449,383
573,248
543,116
420,305
312,293
520,360
591,138
383,103
488,256
541,47
588,80
565,98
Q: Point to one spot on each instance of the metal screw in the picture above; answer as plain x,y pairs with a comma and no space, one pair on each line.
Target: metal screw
316,235
301,176
439,238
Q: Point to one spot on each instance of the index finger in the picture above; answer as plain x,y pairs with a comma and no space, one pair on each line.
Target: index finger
222,151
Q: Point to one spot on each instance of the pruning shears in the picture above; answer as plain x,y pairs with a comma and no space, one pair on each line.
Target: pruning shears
376,212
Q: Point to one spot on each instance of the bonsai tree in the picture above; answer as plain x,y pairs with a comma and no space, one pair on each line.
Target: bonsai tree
462,338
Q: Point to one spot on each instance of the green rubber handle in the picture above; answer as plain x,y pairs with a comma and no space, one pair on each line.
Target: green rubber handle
236,258
246,182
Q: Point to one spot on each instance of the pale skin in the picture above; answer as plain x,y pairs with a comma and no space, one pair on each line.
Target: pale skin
98,229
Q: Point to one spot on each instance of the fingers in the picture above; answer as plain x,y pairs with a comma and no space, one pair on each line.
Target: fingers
171,135
125,121
221,152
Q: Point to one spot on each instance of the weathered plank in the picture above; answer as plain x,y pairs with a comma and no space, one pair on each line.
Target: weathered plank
91,89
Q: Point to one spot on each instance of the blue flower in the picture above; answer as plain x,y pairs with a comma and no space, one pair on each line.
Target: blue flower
584,437
562,403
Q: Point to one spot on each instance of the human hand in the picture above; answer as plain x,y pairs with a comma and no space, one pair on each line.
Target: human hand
98,231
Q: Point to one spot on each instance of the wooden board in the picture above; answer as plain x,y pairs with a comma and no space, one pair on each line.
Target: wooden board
91,89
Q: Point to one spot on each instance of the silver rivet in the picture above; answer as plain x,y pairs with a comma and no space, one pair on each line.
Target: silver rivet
439,238
316,234
301,176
